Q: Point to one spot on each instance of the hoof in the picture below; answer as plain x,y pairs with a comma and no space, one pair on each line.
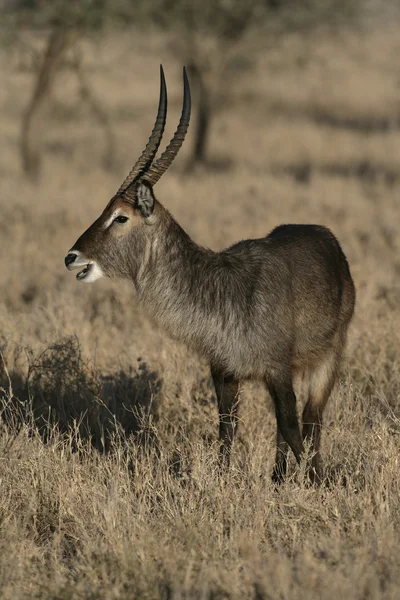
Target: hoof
278,475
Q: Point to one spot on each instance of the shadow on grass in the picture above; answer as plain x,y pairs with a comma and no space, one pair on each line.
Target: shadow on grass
364,124
63,393
363,170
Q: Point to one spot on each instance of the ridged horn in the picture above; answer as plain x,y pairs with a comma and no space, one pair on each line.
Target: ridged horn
143,163
161,164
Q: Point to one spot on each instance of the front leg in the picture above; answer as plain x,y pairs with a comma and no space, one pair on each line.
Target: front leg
227,390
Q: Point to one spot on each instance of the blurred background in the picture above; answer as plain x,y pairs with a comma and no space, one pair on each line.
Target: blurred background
110,486
296,118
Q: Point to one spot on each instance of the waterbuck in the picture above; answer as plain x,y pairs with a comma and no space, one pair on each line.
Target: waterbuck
264,309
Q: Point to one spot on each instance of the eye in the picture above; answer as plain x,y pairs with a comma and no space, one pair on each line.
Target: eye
121,219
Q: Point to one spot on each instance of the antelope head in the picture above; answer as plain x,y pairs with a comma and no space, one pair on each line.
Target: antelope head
105,249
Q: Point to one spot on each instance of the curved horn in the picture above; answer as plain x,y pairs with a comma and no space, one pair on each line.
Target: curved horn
161,165
148,154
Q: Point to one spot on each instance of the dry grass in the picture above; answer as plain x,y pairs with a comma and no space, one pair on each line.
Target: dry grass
108,465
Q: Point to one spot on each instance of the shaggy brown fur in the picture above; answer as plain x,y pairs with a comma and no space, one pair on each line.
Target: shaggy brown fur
264,309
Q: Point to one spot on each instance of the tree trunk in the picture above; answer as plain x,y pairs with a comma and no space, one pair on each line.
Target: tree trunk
203,119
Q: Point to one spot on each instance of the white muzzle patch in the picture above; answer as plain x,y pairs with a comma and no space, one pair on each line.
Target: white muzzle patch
90,272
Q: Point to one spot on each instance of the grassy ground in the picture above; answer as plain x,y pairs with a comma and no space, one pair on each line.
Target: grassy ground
108,460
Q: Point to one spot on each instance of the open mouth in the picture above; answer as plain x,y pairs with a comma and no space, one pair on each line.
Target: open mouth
82,274
88,270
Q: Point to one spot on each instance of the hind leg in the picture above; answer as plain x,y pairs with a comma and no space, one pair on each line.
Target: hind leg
321,379
280,467
288,431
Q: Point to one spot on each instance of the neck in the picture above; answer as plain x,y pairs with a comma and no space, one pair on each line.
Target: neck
174,280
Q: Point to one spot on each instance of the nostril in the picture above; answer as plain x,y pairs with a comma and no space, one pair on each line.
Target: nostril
70,258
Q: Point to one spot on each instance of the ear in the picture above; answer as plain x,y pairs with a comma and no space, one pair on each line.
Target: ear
144,198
